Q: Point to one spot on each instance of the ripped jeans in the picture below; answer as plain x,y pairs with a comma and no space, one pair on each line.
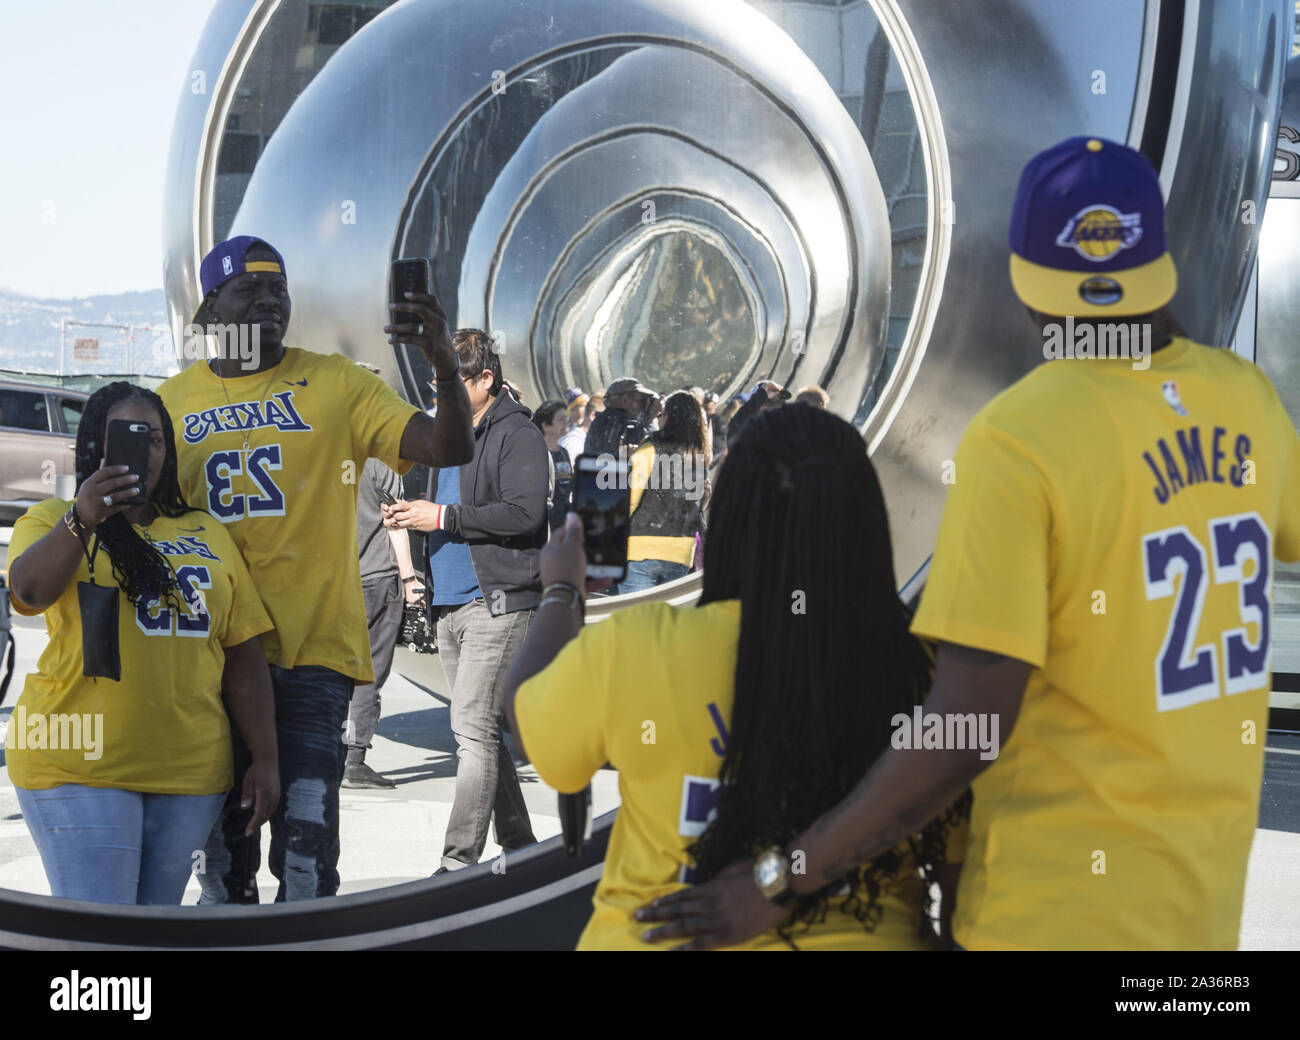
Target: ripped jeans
311,705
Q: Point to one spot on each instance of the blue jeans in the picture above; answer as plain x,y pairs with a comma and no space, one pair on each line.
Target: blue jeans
646,574
311,705
105,845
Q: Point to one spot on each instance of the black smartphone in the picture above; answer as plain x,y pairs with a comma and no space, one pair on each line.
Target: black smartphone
603,499
128,445
407,276
386,498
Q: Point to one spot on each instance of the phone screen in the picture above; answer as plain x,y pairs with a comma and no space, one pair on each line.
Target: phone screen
408,276
602,498
128,445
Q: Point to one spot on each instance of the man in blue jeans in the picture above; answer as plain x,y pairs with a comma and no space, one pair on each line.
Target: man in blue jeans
273,446
486,524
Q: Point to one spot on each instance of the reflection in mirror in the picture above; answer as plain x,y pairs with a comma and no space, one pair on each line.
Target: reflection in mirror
707,203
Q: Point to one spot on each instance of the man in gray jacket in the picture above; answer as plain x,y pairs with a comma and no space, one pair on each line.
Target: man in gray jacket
487,524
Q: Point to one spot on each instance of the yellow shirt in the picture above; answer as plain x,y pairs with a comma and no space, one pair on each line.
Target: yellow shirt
650,690
1115,528
291,506
162,728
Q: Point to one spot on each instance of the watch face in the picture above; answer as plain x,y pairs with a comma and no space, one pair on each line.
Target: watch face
768,872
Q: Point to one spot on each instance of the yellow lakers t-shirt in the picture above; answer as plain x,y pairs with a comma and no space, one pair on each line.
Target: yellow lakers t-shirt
290,504
1116,529
650,691
162,727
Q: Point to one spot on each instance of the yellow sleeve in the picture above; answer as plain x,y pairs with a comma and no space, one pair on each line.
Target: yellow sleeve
988,582
247,617
29,529
642,462
379,417
561,710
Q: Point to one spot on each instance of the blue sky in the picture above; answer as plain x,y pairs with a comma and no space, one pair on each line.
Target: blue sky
88,90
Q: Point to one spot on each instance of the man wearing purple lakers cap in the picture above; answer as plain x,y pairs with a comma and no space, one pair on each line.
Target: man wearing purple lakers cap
272,443
1100,593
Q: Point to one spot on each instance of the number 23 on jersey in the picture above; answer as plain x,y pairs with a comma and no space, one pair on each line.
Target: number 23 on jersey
228,505
1187,674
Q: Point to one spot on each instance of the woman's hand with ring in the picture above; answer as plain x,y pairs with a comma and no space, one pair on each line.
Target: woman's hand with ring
106,492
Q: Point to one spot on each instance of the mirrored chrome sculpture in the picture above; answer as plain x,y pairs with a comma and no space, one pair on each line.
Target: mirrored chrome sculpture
709,194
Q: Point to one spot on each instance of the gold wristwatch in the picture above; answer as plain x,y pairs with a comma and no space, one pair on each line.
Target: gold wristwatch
772,876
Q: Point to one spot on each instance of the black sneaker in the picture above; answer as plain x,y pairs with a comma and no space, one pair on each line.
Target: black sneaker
358,774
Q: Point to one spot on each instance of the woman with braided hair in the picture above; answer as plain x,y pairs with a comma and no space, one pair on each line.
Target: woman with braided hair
736,723
119,747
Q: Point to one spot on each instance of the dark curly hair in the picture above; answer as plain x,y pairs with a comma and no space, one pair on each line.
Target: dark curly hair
681,428
799,534
140,571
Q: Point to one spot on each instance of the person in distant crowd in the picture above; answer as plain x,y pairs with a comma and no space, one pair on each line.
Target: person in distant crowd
117,815
487,524
813,395
1119,812
388,583
580,415
764,717
717,428
625,422
765,395
273,452
668,478
553,422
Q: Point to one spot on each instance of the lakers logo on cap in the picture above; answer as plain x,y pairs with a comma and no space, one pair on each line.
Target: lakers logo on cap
1098,232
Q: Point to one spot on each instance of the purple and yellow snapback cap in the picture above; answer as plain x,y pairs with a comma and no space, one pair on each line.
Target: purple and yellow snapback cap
1088,232
228,259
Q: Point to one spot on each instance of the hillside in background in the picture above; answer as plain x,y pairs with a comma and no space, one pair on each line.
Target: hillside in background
30,332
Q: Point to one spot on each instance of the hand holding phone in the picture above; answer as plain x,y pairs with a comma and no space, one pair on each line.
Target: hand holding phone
602,499
408,276
420,320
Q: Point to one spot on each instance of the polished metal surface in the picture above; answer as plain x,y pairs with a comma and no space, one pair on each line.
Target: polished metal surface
1026,81
1277,319
563,175
565,162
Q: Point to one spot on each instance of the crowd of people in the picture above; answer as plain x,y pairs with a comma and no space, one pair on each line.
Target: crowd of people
775,788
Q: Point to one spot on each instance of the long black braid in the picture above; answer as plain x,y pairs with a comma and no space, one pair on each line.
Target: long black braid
825,660
141,572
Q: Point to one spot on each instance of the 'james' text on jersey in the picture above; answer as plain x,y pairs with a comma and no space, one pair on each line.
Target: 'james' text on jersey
1171,478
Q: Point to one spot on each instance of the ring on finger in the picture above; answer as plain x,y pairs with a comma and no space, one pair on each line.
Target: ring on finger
108,500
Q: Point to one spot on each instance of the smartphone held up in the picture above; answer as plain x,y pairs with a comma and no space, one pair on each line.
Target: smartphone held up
408,276
128,445
603,498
